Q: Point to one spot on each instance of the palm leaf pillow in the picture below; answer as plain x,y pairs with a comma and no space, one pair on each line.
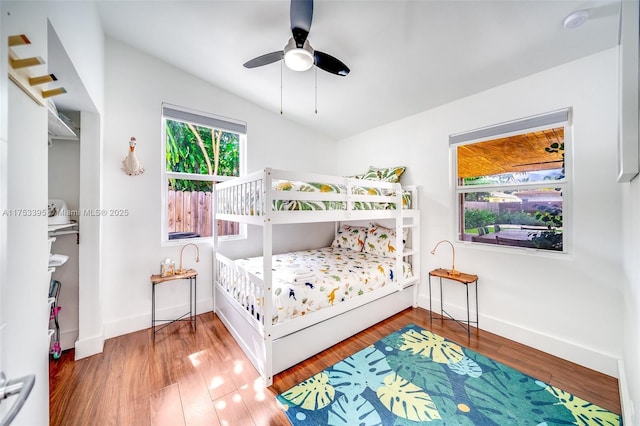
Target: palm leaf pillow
386,174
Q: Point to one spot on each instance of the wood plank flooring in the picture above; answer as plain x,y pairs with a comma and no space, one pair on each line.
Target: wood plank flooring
187,378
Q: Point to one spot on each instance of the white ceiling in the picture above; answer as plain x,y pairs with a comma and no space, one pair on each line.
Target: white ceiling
405,56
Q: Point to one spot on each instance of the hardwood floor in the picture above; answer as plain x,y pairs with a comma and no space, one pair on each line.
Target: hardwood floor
204,377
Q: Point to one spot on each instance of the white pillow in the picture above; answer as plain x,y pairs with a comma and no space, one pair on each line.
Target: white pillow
351,237
382,241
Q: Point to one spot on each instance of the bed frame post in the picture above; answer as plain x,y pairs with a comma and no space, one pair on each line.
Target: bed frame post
214,212
349,186
416,246
267,305
415,258
399,216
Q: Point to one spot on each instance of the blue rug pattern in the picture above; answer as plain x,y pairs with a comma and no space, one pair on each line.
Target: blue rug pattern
414,376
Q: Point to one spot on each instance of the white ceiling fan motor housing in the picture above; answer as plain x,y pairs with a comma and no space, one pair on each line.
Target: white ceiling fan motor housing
298,58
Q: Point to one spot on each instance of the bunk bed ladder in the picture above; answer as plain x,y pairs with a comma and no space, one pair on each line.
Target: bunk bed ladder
414,253
409,220
267,306
399,218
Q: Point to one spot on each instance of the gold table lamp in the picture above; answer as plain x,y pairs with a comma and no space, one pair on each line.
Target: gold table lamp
451,271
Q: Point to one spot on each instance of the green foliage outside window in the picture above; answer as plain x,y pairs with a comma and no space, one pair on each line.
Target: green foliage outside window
474,218
477,196
200,150
551,216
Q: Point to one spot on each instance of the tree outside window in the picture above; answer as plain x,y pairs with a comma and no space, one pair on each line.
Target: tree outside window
196,157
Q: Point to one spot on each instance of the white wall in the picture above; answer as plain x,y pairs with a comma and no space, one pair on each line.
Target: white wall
630,367
136,85
567,305
630,384
78,27
90,328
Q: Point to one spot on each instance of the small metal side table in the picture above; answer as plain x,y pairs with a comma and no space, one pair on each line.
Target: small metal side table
462,278
190,275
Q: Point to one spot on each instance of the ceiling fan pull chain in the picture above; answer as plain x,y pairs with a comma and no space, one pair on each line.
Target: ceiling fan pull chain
281,87
316,71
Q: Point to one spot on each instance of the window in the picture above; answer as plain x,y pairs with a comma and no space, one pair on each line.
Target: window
199,150
512,183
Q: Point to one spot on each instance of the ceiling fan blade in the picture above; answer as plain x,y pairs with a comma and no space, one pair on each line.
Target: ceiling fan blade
267,59
301,15
330,64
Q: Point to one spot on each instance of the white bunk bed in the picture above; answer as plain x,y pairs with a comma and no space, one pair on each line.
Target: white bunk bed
258,199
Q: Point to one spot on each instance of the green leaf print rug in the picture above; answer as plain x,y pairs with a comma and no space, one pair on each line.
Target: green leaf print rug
414,376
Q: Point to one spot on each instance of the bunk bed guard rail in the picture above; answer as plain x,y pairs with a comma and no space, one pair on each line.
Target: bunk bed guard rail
255,195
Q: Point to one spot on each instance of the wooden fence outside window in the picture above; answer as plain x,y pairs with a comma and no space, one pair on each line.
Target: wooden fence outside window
191,212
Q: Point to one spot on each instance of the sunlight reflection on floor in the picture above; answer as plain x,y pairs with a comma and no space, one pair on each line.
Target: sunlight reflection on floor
259,388
195,358
238,366
216,382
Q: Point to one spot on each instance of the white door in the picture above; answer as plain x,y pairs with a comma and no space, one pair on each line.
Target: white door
3,190
23,236
3,186
25,287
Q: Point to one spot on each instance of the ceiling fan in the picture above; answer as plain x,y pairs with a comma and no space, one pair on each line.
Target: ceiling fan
298,54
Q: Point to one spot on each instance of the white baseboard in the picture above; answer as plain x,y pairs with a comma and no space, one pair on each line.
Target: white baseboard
139,322
91,346
68,339
560,347
628,411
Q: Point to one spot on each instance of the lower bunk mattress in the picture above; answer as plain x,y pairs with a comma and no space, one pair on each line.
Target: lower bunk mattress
309,280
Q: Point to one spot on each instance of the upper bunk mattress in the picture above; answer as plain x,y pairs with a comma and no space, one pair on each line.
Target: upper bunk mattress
309,280
309,187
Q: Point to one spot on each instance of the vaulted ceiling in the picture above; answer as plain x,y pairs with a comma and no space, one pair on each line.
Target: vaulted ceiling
405,56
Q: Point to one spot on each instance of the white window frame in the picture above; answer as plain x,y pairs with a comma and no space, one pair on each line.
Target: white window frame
202,119
558,118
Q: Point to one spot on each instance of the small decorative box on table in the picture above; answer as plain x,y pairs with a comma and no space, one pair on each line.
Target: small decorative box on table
462,278
156,279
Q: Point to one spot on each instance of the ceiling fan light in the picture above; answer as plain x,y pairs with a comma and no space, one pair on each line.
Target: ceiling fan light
575,19
298,58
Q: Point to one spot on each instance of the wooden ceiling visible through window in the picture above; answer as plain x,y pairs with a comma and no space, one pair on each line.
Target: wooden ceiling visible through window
519,153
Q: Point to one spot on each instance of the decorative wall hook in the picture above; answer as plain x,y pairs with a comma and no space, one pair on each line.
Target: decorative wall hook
130,164
53,92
